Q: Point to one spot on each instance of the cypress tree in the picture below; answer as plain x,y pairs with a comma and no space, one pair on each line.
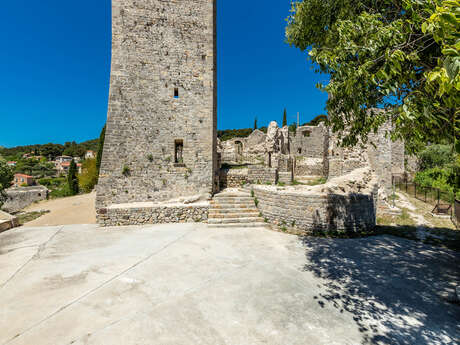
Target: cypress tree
72,180
255,123
100,149
284,118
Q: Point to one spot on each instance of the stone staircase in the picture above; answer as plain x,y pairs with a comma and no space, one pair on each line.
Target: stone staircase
234,208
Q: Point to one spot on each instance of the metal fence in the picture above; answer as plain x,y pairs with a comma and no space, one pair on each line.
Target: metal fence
444,203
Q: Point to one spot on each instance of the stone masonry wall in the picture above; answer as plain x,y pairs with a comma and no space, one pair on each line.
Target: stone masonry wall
345,204
153,215
161,130
262,174
233,178
20,198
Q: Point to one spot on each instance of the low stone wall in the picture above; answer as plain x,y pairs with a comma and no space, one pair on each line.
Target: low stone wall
262,174
20,198
7,221
343,205
285,177
119,215
309,167
233,178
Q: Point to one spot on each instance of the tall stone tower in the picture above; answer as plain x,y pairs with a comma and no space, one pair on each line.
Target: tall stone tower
161,128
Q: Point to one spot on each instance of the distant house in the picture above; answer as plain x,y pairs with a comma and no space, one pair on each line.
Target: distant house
21,180
63,159
90,154
11,163
64,167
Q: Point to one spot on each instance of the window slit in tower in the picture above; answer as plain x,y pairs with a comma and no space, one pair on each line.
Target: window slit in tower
176,92
178,151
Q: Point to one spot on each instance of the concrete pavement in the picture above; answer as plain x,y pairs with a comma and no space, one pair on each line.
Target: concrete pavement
187,284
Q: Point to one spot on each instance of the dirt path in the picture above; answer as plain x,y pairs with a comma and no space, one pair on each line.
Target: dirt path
78,209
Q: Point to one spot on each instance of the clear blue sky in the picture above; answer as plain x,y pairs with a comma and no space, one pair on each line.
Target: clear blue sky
55,68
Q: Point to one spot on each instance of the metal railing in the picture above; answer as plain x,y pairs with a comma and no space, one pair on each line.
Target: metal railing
443,202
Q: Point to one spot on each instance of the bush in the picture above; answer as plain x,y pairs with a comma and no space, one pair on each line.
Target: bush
89,175
436,156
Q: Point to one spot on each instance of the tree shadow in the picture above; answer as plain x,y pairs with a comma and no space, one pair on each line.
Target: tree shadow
396,289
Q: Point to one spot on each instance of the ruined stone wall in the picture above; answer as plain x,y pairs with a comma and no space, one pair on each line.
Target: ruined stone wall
161,129
310,148
398,157
21,197
345,204
233,178
262,174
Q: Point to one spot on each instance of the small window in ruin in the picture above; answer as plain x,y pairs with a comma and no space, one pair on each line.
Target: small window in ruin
176,92
178,151
299,150
306,133
203,57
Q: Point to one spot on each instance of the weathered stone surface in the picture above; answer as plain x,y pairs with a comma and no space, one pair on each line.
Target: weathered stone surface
21,197
161,129
344,204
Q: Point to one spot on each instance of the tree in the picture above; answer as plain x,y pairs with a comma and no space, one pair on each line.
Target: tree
317,120
255,123
72,180
6,177
284,118
89,175
399,55
100,149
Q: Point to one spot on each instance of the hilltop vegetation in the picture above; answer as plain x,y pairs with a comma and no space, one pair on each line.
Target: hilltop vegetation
50,151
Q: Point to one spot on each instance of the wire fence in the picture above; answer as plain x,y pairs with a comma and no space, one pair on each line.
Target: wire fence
443,202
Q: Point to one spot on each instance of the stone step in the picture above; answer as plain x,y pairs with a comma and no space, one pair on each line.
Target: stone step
233,200
232,195
238,225
233,215
232,205
235,220
233,210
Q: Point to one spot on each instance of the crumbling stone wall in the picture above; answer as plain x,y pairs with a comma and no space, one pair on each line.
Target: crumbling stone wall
345,204
161,129
233,178
21,197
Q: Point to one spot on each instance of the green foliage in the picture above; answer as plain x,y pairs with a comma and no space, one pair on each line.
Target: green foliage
256,201
50,151
435,156
62,192
52,182
284,118
72,180
126,171
317,120
87,180
100,149
228,134
6,176
399,55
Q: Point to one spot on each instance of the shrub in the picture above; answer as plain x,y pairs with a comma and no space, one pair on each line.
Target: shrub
435,156
89,175
256,201
126,171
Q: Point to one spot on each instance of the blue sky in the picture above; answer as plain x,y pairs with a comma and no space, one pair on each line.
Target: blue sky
55,69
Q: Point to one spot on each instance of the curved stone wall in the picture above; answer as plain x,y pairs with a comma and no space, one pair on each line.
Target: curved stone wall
343,205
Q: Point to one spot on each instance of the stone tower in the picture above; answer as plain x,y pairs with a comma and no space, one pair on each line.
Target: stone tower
161,127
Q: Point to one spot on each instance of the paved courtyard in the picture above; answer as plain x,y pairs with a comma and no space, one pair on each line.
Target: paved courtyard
187,284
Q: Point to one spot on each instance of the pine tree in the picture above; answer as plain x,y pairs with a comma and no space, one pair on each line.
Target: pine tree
284,118
72,180
255,123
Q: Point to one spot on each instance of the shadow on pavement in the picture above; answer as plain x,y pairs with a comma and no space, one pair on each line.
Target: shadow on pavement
396,289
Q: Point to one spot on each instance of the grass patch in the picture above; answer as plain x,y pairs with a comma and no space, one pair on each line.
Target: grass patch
24,218
234,166
321,180
404,219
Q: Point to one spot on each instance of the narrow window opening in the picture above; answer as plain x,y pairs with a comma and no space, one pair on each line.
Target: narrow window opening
176,92
306,133
269,159
299,150
178,151
203,57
